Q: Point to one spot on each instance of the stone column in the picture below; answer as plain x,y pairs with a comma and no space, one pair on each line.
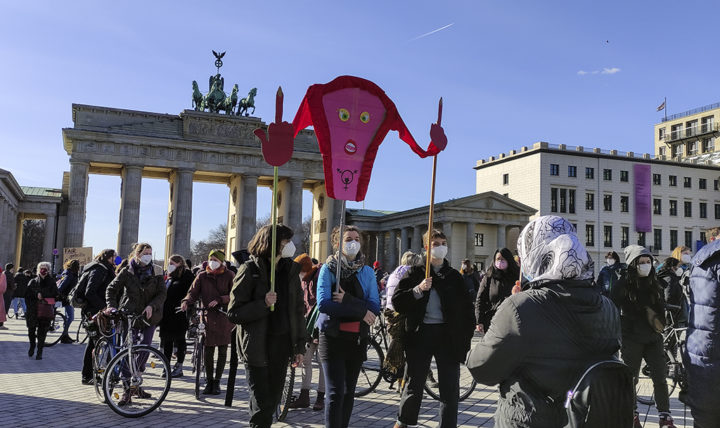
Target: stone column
249,210
180,213
294,212
417,244
470,242
392,257
501,236
129,208
77,195
49,242
403,240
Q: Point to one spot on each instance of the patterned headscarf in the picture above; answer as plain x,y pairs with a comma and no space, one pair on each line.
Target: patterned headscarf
549,249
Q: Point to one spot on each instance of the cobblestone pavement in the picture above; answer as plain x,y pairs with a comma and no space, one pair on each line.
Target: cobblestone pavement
49,393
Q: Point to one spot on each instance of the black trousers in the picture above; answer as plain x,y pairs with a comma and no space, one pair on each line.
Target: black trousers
431,340
266,383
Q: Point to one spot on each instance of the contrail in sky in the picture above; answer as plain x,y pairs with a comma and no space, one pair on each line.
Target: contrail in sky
432,32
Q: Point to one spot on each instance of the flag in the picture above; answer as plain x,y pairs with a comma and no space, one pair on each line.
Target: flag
661,106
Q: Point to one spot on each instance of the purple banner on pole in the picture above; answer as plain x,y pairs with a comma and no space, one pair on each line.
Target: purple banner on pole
643,209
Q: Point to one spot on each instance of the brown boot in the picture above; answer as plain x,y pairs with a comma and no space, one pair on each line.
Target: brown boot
319,402
302,401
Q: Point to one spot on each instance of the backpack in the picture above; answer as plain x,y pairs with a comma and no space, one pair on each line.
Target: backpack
602,397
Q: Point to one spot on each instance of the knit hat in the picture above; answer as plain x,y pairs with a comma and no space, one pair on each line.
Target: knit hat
633,252
304,261
218,254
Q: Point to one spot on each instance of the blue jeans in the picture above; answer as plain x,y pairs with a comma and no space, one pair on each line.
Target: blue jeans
69,317
18,301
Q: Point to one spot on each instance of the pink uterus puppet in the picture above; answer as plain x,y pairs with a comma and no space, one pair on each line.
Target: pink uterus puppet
351,117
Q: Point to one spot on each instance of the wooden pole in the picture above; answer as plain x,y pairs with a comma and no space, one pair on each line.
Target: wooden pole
432,202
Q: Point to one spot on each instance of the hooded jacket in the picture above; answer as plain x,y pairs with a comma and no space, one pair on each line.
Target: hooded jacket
539,343
702,353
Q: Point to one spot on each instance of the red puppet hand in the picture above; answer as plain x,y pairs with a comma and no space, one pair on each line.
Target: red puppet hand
277,147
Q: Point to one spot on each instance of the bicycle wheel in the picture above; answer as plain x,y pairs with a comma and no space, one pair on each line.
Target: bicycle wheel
136,383
55,331
101,356
198,364
466,382
286,396
370,371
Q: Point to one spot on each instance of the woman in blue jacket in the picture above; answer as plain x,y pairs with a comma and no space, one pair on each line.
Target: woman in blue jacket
346,311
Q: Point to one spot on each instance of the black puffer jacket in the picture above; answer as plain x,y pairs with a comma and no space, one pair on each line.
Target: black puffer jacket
540,342
456,306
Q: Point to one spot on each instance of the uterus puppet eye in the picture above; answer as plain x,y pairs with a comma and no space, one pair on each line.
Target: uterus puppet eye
344,114
364,117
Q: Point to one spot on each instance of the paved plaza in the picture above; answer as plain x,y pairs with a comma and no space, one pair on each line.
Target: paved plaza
49,393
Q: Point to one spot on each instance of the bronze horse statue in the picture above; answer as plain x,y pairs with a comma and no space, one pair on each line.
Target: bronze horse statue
228,104
247,102
197,97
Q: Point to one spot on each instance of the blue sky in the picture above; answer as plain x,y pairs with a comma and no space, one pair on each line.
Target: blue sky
509,73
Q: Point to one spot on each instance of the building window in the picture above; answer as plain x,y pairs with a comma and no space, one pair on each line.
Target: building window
607,202
554,169
687,182
572,171
688,239
657,239
624,204
607,174
657,179
688,209
479,239
625,236
703,210
553,199
702,184
607,236
657,206
589,201
673,239
563,200
506,179
624,176
641,239
673,208
589,235
673,180
571,201
590,173
717,211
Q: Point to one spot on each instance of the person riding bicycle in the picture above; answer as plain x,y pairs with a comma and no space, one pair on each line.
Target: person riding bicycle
271,323
138,288
542,339
640,298
212,287
440,323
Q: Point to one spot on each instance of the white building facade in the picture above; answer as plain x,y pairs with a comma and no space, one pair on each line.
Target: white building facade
613,198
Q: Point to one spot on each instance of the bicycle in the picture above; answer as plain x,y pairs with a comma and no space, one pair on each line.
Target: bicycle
674,346
54,333
141,372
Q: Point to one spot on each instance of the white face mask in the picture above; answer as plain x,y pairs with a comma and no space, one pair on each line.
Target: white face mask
214,264
644,269
439,252
678,271
146,259
288,250
610,262
351,248
685,258
171,268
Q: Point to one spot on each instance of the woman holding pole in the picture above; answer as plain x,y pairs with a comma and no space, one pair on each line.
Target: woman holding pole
347,310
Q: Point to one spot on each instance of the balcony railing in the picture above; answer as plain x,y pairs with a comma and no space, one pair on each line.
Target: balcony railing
694,131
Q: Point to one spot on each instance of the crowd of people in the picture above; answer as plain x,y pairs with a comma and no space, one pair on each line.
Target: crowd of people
545,322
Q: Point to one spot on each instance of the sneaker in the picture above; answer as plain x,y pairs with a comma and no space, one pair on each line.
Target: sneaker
636,421
125,400
666,421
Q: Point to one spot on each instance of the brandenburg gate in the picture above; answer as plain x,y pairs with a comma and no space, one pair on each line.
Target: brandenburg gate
192,146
